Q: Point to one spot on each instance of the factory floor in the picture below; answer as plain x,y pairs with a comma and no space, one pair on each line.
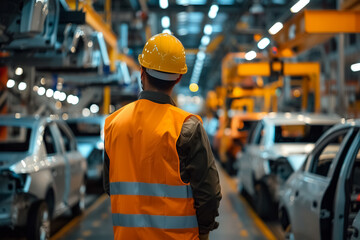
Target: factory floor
237,219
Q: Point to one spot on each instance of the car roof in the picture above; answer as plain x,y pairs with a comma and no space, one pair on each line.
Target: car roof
301,118
91,119
18,120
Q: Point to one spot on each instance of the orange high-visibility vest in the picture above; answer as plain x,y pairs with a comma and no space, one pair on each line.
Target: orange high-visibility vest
148,198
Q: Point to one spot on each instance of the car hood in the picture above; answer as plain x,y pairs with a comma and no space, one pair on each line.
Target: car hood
295,153
9,159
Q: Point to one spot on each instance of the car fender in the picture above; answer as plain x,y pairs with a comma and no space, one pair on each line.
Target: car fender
41,182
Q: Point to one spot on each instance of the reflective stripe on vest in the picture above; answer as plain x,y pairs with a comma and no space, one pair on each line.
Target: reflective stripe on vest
154,221
150,189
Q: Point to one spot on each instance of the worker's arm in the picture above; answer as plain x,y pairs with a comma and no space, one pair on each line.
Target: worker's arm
106,165
197,166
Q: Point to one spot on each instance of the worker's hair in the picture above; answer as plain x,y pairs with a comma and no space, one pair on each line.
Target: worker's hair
158,83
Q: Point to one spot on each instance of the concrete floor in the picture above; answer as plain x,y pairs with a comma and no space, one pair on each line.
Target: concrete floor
237,219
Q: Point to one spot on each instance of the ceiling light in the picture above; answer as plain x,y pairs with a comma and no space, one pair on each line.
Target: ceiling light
56,94
205,40
75,100
208,29
263,43
164,4
49,93
19,71
62,96
86,112
165,22
256,8
194,87
355,67
41,91
275,28
250,55
213,11
94,108
182,31
10,83
166,31
201,55
22,86
69,99
299,5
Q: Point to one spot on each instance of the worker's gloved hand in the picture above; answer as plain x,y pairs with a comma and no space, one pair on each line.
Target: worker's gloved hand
204,236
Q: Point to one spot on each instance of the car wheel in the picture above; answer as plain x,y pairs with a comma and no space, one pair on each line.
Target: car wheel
263,202
39,222
79,207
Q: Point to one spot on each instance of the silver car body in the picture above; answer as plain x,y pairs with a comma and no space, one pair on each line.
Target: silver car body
89,134
263,153
34,175
318,205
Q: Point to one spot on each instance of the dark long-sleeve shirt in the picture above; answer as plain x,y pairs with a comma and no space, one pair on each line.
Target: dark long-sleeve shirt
197,166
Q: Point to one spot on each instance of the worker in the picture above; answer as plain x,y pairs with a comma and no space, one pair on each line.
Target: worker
159,170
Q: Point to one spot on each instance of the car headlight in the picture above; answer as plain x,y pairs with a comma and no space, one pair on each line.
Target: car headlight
281,168
22,181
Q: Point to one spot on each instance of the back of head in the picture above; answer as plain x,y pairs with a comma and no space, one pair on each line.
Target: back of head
163,58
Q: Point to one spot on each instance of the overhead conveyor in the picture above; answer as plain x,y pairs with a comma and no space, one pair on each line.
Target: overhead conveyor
312,27
233,75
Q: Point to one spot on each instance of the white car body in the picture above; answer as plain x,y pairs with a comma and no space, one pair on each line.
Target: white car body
321,200
269,158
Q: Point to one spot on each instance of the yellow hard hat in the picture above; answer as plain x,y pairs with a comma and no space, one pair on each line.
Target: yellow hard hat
164,52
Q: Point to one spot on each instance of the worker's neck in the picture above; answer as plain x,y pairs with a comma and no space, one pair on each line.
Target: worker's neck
152,89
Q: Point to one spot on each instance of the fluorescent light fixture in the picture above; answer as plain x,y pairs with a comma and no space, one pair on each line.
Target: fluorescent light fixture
182,17
355,67
201,55
166,31
164,4
182,31
41,91
213,11
62,96
10,83
94,108
165,22
263,43
250,55
299,5
86,112
75,100
22,86
208,29
70,98
205,40
49,93
276,28
19,71
56,95
194,87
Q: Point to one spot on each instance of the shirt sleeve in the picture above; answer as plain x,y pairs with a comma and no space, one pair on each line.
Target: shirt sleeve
106,166
197,167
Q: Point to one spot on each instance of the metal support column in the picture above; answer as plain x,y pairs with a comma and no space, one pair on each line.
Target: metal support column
3,97
341,98
107,100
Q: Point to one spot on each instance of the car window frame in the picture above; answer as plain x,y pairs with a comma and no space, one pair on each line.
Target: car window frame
63,127
50,126
256,137
319,147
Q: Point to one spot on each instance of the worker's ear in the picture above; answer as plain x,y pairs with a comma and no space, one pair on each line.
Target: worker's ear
179,78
